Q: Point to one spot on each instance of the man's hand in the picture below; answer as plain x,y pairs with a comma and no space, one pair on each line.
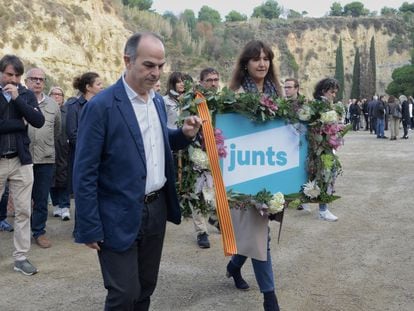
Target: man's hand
12,90
191,126
93,245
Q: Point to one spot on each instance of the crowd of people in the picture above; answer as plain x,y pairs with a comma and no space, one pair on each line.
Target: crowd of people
380,114
113,149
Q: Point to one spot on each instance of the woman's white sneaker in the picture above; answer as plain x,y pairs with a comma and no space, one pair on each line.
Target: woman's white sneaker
65,214
327,215
57,211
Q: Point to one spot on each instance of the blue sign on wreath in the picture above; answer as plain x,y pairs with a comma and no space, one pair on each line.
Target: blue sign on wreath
270,155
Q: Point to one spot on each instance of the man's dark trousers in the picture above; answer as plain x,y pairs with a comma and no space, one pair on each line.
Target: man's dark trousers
131,276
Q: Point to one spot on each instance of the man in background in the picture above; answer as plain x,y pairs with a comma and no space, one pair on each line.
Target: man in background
42,148
18,107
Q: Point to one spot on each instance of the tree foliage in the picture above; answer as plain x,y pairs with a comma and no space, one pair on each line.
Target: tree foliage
407,7
355,9
294,14
270,10
339,71
336,9
235,16
142,5
171,17
356,76
209,15
387,11
402,81
188,17
372,68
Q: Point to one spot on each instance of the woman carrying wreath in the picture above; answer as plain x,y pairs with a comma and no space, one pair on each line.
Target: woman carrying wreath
254,72
325,91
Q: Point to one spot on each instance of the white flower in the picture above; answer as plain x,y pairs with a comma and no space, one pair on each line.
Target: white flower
276,204
311,189
329,117
304,113
199,158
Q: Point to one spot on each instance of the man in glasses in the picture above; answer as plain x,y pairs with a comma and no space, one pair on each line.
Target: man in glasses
291,87
18,107
210,79
42,148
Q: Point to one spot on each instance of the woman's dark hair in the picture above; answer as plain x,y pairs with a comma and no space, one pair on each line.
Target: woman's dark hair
252,50
324,86
173,79
391,99
80,82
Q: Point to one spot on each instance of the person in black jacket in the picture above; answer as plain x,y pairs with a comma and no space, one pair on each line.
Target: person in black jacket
18,108
405,115
88,85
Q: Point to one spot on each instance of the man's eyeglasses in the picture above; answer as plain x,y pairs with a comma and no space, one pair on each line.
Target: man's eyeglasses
212,80
35,79
56,94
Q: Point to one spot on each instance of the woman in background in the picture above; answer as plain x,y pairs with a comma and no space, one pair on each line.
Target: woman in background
88,85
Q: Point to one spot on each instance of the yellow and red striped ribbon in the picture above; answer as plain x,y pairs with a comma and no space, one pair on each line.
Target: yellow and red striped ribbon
222,205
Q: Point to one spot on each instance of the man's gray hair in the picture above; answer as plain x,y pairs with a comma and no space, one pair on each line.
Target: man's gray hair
133,41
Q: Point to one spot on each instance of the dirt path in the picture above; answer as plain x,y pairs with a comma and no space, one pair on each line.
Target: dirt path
362,262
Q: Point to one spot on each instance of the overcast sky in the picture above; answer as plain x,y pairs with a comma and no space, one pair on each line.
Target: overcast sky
315,8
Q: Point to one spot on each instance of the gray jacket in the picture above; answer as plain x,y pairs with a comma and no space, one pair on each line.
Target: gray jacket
42,146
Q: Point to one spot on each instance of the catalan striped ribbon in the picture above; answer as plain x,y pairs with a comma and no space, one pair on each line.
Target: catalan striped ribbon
222,205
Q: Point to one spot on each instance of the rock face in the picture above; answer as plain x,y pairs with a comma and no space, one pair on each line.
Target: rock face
65,39
68,39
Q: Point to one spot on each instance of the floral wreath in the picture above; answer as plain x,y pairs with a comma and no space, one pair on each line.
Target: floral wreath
325,135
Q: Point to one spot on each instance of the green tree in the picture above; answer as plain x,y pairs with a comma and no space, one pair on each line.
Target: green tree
336,9
235,16
294,14
171,17
355,9
339,71
372,68
387,11
142,5
189,18
356,76
270,10
402,81
407,7
209,15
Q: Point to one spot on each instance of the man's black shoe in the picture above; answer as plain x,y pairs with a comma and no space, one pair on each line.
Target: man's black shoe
202,240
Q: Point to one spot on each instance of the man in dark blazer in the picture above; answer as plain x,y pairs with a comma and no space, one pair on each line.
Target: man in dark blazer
124,176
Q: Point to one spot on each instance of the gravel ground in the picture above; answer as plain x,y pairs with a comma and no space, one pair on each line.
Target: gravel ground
362,262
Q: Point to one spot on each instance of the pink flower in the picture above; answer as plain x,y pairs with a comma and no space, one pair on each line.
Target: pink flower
269,104
335,142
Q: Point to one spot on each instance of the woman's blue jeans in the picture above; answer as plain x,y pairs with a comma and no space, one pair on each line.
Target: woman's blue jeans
262,269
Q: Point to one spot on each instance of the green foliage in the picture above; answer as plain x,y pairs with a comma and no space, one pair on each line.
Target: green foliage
398,44
402,81
372,79
339,71
270,10
294,14
142,5
407,7
235,16
355,9
168,15
336,9
356,77
189,18
209,15
387,11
